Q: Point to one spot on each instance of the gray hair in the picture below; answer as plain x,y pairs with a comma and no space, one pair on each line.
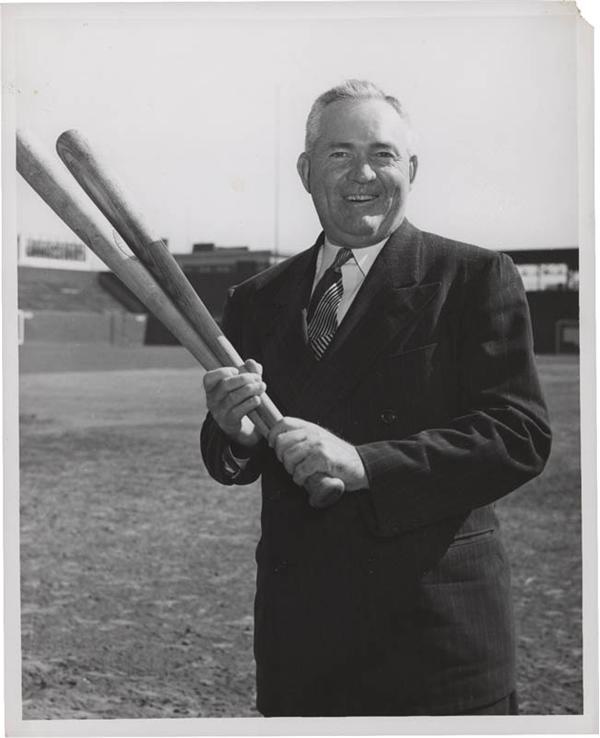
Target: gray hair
350,89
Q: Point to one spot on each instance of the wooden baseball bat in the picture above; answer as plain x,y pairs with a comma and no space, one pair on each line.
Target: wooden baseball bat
108,195
45,179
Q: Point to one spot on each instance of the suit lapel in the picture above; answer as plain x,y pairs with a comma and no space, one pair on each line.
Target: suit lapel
386,309
396,268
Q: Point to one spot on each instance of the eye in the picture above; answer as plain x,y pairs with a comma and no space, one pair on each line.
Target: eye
339,154
385,155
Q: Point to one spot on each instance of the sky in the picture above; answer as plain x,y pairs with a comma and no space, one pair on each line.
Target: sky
200,111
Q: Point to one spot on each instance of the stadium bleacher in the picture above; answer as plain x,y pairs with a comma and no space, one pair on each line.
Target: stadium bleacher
63,290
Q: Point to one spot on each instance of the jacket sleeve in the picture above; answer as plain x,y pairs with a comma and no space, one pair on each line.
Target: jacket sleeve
213,442
501,437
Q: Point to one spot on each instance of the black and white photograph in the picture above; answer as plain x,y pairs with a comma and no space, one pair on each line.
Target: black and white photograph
299,345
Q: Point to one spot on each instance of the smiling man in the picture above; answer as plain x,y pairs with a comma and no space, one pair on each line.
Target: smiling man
359,169
403,363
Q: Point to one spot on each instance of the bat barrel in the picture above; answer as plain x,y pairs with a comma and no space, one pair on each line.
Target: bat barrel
46,181
111,199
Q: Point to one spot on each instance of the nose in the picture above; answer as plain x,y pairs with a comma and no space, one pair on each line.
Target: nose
362,171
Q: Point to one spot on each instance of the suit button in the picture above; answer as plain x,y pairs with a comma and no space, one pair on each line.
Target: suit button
388,417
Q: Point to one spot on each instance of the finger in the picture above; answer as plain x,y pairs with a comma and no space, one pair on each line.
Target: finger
293,456
287,440
212,378
241,394
306,468
219,393
253,367
239,380
283,426
239,411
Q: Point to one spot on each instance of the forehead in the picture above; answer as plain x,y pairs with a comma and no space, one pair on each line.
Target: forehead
362,122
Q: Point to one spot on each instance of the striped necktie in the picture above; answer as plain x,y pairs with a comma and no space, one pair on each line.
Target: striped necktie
324,303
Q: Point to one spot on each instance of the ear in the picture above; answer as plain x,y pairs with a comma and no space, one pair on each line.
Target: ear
303,167
413,165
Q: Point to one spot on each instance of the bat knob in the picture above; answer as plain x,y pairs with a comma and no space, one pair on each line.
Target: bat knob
324,491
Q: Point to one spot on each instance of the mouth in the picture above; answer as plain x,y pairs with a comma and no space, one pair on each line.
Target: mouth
360,198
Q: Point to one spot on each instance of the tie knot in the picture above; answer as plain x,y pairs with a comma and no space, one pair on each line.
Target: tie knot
342,256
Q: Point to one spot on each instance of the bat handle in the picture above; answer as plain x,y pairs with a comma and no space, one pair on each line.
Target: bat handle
323,491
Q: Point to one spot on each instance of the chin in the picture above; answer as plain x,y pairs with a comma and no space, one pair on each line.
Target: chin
356,241
370,234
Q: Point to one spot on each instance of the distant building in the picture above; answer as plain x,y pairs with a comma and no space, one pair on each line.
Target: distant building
48,253
551,279
43,253
211,270
547,269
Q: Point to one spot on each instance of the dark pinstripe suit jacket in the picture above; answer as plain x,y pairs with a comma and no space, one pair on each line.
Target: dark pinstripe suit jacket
395,600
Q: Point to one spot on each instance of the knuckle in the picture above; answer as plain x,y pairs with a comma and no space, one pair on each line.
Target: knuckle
236,396
237,412
249,403
233,415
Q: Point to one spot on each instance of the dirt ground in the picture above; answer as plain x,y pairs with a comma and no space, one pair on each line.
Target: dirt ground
137,570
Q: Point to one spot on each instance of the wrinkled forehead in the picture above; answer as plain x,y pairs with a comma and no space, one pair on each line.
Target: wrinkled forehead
362,123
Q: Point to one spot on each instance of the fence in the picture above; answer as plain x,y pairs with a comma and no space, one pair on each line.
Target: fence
551,312
52,326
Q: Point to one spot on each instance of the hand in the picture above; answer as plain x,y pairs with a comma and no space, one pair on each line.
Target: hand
305,448
230,395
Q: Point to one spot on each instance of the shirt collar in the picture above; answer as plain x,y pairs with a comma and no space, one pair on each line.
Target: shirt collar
363,257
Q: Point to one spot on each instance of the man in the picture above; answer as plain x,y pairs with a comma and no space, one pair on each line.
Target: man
406,371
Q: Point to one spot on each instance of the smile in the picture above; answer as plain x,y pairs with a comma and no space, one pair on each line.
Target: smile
360,198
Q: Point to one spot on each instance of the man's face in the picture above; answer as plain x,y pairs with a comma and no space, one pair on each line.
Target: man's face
359,172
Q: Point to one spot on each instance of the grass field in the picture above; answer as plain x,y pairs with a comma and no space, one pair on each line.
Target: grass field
137,570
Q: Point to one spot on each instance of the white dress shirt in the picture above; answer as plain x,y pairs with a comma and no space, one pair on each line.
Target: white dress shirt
354,270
